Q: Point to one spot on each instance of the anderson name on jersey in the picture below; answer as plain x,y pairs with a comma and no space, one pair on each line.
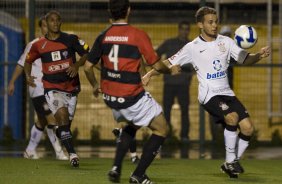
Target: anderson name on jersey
210,60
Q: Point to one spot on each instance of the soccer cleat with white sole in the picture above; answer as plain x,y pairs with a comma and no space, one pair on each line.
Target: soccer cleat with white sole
30,154
140,180
74,160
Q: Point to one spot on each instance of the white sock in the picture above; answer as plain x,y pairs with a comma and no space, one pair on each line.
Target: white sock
133,154
54,140
242,146
230,138
35,137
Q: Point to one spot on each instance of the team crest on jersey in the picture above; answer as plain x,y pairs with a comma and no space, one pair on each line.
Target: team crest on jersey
81,42
223,106
221,46
217,65
65,54
56,56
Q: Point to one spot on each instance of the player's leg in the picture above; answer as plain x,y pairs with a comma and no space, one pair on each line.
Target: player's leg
133,154
246,130
36,130
168,100
183,100
219,107
151,149
124,141
132,148
51,129
45,117
58,104
35,137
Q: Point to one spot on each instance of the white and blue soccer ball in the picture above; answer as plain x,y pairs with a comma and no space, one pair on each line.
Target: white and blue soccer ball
245,36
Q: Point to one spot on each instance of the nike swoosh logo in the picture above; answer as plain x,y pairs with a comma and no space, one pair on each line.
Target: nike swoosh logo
202,50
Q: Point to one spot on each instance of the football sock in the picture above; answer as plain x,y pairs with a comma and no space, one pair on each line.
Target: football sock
35,137
132,147
64,134
243,143
150,150
230,137
123,144
53,138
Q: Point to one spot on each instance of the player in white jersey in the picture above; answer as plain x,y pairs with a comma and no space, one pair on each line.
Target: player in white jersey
45,117
210,54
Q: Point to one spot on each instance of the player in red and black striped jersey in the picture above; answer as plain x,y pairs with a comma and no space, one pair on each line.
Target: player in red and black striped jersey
120,49
60,75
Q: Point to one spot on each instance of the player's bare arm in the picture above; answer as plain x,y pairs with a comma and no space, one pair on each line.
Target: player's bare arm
254,58
161,67
88,69
29,78
17,72
73,69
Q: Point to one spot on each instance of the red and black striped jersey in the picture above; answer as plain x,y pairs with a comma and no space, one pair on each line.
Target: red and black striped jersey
120,49
56,56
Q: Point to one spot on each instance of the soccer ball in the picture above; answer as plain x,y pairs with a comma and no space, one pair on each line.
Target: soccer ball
245,36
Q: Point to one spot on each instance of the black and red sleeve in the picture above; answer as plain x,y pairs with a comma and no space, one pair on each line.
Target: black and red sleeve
146,49
96,51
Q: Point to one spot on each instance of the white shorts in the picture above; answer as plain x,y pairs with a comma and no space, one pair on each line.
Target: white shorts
141,113
58,99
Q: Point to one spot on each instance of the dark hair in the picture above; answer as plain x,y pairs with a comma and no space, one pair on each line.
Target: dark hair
205,10
118,8
52,12
180,24
40,20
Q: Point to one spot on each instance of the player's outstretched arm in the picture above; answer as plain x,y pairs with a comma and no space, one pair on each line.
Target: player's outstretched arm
161,67
254,58
17,72
29,78
88,70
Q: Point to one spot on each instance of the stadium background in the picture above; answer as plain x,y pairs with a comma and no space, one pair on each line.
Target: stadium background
258,87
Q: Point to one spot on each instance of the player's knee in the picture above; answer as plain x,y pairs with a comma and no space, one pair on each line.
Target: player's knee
159,126
246,127
232,119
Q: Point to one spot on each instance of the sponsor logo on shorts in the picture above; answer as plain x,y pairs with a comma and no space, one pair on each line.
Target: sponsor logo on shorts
45,107
223,106
56,103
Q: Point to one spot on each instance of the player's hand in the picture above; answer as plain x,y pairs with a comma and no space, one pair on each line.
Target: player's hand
146,79
96,90
30,81
72,70
264,52
11,88
175,69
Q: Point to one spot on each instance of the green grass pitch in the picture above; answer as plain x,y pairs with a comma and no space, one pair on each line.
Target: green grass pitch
167,171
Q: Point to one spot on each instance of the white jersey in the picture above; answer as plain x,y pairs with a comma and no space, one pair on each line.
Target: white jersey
210,60
36,72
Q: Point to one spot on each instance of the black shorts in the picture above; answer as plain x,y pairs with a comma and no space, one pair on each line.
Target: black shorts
220,106
41,107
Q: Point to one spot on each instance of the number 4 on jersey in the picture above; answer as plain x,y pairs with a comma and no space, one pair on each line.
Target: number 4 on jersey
113,56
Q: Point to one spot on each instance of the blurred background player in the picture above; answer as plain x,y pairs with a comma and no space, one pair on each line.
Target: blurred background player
60,75
45,117
214,92
120,49
177,86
